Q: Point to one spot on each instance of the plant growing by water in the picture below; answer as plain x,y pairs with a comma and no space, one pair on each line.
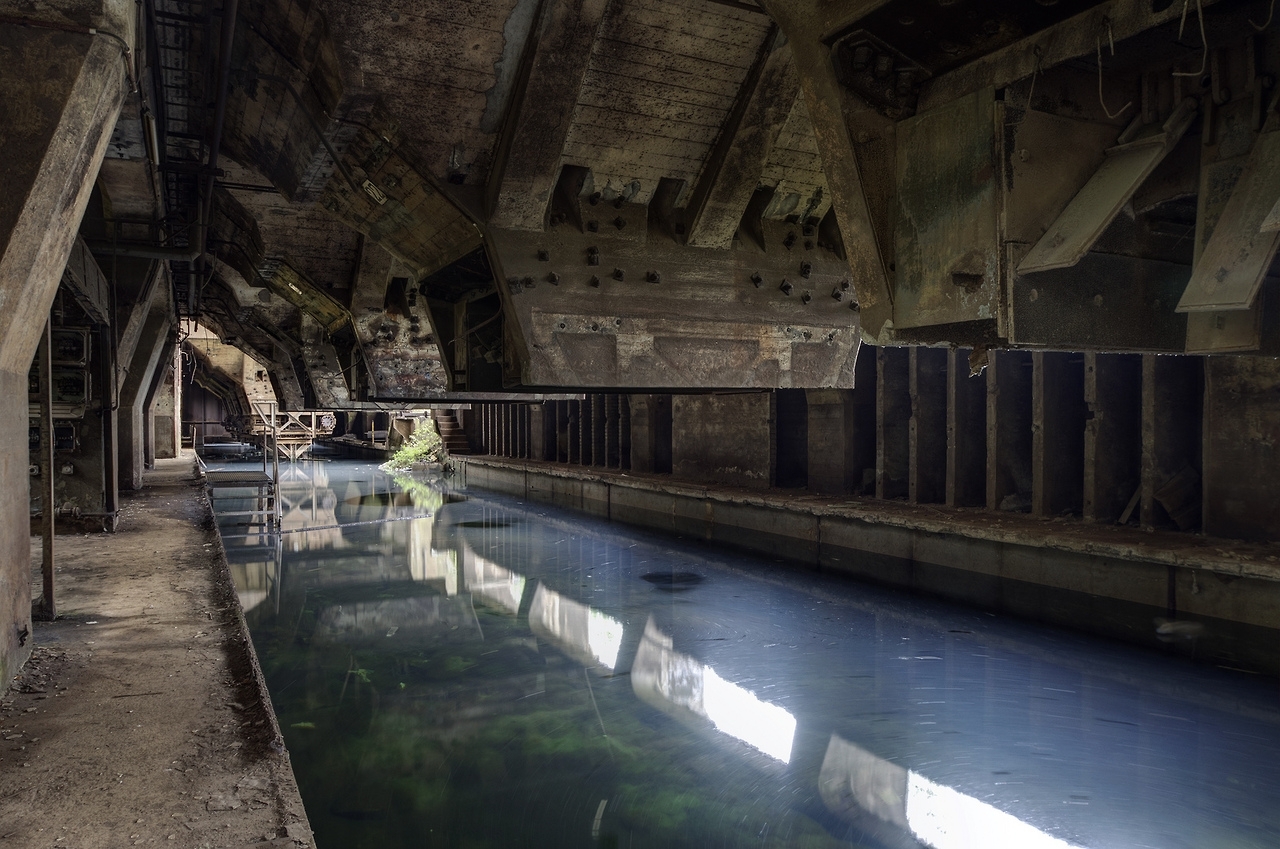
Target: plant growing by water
424,446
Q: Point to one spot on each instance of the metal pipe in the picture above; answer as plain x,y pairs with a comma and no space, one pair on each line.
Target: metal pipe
110,408
145,252
48,608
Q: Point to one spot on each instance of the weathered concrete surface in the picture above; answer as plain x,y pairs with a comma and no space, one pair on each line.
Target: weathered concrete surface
154,341
142,718
804,26
62,93
723,438
1242,429
1106,579
54,138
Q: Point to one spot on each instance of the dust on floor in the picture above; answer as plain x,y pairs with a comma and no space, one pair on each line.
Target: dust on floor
139,719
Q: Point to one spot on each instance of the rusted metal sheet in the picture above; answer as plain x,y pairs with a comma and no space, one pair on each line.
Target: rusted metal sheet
1224,332
86,280
1049,158
1105,302
1229,270
1228,143
1122,171
948,267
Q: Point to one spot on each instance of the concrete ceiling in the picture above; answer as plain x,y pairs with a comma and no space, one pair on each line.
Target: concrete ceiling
491,196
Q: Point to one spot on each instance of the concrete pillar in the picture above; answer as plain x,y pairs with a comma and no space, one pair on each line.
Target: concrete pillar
650,442
723,439
62,93
133,394
831,426
160,426
893,422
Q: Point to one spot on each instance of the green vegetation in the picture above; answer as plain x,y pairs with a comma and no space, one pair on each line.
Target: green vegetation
423,447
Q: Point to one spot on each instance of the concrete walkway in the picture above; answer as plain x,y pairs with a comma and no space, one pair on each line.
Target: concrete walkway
141,718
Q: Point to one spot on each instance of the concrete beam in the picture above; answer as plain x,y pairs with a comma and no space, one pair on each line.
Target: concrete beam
324,372
132,318
801,23
62,92
53,139
736,162
142,365
542,106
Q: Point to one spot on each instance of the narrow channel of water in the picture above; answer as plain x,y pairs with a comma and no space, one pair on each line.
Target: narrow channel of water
458,669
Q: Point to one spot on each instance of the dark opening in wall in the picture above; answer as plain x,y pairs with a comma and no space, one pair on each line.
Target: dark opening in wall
791,435
661,424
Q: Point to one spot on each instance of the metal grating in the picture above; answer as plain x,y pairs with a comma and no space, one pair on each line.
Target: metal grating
184,38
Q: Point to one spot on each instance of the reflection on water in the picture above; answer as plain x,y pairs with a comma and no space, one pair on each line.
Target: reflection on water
587,635
679,684
461,670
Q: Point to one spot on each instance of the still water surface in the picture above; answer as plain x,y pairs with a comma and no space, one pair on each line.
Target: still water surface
455,668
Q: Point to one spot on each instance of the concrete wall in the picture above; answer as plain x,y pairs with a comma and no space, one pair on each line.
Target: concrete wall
1242,447
724,439
1118,583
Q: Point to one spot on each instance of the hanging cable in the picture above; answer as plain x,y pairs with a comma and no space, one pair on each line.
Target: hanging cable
81,30
1098,43
1204,58
1271,11
1034,73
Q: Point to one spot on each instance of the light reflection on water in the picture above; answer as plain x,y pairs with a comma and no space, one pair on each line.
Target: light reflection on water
458,669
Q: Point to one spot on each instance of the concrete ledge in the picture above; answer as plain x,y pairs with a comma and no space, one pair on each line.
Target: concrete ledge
1106,579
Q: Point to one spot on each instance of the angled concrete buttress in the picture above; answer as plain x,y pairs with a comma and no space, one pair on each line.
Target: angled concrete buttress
62,91
135,391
